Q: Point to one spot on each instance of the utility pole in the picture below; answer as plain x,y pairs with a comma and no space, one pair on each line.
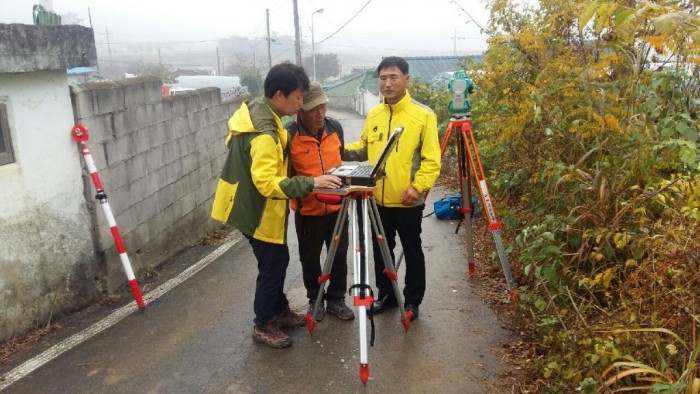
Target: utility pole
313,43
160,59
297,44
269,52
218,61
455,41
93,32
109,50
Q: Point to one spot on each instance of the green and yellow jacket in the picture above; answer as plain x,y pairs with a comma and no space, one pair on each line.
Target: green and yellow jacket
416,160
254,188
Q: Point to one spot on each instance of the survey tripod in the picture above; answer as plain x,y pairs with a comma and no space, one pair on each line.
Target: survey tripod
358,203
469,163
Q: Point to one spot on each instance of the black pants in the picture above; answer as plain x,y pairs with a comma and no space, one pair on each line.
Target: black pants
273,260
312,233
407,222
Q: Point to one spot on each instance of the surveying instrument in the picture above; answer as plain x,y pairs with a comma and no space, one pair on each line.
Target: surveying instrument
357,203
469,163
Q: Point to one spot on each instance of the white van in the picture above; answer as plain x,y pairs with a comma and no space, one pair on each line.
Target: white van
230,86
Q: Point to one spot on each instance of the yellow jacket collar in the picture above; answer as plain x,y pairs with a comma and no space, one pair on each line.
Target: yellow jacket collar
401,105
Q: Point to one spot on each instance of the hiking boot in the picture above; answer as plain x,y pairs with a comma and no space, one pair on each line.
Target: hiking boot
384,303
340,310
288,319
271,336
321,310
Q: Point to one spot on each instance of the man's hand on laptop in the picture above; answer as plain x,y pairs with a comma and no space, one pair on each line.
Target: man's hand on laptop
410,196
327,182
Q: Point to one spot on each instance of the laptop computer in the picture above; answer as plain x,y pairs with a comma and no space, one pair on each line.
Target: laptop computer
366,175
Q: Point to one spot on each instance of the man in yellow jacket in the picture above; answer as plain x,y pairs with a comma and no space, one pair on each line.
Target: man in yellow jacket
411,171
254,190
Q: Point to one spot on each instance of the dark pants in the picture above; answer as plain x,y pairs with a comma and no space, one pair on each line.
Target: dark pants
270,299
407,223
312,233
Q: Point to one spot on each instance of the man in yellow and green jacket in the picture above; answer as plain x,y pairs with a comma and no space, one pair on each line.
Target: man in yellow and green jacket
254,190
411,171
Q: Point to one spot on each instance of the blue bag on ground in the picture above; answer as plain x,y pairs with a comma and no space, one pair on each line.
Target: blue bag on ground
448,208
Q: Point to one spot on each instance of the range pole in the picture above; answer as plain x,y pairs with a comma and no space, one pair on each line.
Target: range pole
297,44
269,52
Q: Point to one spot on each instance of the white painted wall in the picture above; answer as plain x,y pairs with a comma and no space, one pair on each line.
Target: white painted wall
45,239
366,101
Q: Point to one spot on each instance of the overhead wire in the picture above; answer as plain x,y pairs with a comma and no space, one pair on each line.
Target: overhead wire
472,18
346,23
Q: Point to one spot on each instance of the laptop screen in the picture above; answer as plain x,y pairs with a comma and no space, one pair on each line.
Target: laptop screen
378,169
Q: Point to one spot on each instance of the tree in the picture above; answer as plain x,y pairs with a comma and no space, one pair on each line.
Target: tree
163,71
252,80
327,65
249,70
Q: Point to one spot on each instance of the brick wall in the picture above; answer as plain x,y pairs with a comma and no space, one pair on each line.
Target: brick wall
159,159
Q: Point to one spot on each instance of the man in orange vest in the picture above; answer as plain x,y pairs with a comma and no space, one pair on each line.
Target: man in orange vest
316,145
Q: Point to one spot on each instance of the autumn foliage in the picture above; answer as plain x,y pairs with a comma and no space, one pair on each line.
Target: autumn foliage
587,115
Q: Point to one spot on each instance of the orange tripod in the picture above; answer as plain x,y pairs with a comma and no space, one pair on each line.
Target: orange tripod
468,159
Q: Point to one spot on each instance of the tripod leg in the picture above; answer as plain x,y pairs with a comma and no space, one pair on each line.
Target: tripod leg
490,212
496,231
327,266
361,273
389,267
465,189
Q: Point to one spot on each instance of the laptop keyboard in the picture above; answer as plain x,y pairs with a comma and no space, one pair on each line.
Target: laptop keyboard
362,171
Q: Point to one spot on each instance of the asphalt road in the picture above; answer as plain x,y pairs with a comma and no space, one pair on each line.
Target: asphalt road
196,338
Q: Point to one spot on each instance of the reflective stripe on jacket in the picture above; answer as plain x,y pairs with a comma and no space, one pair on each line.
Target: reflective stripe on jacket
416,160
313,157
254,187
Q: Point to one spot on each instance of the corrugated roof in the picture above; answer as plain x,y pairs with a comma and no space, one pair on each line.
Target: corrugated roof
81,70
426,68
349,85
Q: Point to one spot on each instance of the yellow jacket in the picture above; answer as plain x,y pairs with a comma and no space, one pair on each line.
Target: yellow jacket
254,188
416,160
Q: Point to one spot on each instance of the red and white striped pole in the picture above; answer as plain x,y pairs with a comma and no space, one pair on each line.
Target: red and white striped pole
80,135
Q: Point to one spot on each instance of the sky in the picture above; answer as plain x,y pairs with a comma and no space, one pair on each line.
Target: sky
389,26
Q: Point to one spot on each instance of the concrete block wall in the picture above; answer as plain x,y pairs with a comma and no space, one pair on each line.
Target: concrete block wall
346,103
159,159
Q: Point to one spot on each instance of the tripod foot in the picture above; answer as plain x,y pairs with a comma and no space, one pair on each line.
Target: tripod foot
513,296
310,323
364,373
406,320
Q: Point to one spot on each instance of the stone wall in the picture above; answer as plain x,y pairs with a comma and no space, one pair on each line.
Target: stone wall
159,159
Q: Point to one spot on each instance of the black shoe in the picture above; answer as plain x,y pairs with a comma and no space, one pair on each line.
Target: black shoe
413,309
384,304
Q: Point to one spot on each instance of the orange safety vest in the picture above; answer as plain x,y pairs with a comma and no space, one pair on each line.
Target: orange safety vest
311,156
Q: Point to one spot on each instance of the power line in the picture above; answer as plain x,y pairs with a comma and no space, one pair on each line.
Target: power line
157,42
472,18
346,23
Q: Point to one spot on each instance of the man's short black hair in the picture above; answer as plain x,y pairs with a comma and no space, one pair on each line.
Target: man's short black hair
393,61
285,77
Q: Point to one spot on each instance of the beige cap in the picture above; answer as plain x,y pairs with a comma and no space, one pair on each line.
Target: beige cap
314,97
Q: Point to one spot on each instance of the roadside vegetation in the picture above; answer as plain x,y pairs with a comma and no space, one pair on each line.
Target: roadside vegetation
587,120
